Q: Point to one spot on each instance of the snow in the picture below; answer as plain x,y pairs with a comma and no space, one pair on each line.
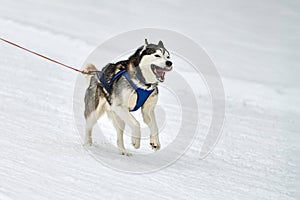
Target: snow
255,47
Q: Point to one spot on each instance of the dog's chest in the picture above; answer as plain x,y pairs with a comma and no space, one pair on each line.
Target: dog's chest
129,98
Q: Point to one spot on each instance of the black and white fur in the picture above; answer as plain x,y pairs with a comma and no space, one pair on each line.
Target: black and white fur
146,68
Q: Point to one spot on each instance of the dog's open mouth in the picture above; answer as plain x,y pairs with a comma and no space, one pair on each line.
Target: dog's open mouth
160,72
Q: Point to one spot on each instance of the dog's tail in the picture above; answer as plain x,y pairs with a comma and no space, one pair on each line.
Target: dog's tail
89,68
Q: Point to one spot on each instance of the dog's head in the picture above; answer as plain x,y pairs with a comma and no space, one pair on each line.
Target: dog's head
154,62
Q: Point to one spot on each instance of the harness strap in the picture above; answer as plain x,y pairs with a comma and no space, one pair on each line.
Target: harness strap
142,94
130,81
104,83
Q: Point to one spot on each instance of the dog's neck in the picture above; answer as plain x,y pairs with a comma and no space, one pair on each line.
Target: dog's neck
135,70
139,75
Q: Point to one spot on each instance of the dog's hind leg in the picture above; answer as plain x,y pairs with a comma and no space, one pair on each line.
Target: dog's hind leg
90,122
94,108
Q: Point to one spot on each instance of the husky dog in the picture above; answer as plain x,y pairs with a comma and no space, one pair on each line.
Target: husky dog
126,86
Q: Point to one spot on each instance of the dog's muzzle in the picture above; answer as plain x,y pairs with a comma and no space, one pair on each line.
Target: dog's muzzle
160,71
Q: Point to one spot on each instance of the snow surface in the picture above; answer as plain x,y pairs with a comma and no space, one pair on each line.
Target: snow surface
255,46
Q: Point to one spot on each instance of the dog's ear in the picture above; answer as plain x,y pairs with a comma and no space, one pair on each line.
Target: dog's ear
145,45
161,44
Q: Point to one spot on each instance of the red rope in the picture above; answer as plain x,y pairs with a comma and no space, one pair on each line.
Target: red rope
52,60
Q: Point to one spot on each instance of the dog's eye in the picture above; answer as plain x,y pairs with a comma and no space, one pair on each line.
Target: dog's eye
168,57
157,55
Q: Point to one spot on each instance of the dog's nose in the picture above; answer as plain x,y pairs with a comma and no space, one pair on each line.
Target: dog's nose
168,63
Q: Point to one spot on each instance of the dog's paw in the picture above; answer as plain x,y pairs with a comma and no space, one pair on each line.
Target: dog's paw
155,146
125,152
88,143
136,141
154,142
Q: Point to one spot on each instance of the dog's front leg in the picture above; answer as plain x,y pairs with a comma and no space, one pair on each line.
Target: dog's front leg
129,119
154,139
119,125
149,119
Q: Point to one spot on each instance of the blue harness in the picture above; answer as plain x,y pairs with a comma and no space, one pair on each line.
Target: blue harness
142,94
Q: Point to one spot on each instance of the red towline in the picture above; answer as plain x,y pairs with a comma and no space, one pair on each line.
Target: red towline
45,57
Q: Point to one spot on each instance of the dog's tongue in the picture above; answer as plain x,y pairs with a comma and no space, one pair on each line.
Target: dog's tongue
161,74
